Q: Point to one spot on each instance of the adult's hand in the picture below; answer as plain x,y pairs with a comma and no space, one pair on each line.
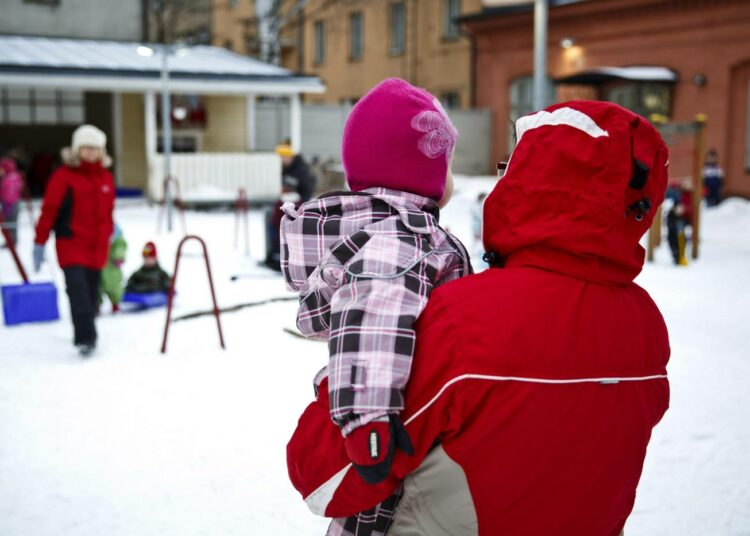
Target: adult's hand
38,256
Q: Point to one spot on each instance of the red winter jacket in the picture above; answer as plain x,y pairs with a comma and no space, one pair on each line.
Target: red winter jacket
78,205
535,386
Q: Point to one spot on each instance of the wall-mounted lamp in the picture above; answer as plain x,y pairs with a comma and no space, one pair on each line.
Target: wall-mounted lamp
145,51
699,80
567,42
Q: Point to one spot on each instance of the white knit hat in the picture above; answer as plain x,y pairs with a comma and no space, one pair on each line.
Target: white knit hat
88,136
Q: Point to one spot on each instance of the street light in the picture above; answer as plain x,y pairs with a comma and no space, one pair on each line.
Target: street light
541,9
166,123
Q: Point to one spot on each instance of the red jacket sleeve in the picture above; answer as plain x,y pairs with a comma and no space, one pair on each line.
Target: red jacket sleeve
53,198
318,465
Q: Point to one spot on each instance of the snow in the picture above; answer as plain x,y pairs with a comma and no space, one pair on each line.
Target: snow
193,442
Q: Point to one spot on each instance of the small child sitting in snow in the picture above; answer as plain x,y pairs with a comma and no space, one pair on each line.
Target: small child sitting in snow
150,277
111,279
365,262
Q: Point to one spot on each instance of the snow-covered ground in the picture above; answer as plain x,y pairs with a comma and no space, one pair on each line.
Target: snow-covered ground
133,442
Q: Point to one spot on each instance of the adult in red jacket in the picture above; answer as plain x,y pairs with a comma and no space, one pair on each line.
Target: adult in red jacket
78,205
535,384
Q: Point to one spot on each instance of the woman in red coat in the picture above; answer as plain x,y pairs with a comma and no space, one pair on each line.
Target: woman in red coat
78,206
536,384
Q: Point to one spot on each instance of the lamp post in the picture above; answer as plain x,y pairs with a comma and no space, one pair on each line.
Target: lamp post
166,130
541,8
166,125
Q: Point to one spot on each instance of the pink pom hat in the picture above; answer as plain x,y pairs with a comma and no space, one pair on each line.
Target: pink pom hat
399,137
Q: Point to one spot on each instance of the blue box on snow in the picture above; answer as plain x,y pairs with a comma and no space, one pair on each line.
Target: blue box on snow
29,302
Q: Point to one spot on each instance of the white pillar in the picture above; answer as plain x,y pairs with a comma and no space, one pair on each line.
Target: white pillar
117,134
149,121
295,118
250,122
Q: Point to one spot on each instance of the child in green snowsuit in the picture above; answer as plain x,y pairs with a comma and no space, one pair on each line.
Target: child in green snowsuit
112,278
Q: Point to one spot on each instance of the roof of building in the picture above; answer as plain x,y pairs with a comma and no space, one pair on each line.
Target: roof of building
599,75
93,64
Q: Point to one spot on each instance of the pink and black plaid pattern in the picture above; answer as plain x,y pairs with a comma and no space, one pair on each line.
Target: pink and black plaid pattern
364,264
373,522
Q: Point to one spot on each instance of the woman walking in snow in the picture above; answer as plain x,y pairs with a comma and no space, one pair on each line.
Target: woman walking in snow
78,205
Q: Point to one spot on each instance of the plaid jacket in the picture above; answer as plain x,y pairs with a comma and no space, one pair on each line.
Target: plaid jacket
364,265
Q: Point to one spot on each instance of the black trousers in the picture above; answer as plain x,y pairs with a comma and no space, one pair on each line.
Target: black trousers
82,286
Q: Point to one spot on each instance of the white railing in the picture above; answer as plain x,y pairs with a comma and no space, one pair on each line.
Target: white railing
217,177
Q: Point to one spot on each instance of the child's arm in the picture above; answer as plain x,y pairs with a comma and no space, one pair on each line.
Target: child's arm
319,466
371,345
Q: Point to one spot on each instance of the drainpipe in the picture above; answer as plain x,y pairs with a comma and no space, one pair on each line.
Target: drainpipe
301,41
145,30
415,36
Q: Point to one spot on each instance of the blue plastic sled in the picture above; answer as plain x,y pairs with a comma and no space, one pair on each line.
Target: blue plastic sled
145,301
29,302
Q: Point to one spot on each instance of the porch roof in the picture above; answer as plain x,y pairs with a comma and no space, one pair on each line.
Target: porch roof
117,66
599,75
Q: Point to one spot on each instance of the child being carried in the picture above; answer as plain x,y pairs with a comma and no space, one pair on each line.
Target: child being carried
365,262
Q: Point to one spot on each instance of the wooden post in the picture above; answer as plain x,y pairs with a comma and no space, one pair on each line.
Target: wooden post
250,121
700,151
241,206
295,119
654,235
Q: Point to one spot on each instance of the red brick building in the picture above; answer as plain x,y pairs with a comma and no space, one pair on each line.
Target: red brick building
701,49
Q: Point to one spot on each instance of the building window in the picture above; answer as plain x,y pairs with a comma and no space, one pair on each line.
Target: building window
645,99
320,42
398,28
27,106
522,102
356,36
451,99
451,10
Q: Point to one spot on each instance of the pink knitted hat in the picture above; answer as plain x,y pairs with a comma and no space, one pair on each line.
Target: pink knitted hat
398,136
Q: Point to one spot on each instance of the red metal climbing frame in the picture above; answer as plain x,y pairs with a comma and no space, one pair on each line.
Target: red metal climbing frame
12,247
170,296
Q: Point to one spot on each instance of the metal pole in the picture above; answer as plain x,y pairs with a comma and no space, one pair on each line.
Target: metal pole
166,129
698,156
540,54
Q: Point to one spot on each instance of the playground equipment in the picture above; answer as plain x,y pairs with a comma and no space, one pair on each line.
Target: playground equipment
175,183
241,206
173,285
687,147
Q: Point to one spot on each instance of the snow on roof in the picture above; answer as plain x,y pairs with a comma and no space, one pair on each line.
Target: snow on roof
636,73
92,58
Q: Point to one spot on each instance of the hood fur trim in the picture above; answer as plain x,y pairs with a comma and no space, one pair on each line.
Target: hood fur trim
71,159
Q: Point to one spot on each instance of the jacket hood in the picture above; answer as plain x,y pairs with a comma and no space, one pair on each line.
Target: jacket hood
71,159
332,217
581,189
